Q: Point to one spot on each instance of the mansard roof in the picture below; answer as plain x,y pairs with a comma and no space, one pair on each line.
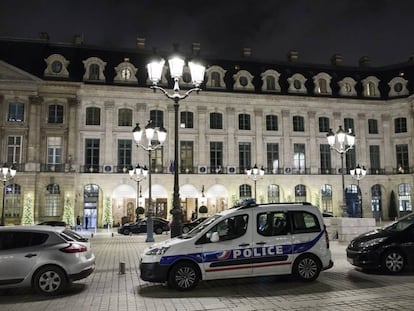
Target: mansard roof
30,57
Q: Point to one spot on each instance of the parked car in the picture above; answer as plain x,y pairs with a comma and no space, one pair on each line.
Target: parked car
47,258
190,225
390,248
160,225
55,223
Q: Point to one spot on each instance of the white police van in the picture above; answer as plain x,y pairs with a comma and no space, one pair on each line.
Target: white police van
244,241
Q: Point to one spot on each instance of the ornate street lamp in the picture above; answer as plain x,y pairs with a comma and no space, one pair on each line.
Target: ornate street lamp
138,174
155,70
150,132
255,174
346,142
7,173
358,173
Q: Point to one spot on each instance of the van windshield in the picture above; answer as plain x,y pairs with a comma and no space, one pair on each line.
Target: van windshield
401,224
201,226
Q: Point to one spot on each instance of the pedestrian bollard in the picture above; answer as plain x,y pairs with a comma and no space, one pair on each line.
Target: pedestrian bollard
112,234
122,268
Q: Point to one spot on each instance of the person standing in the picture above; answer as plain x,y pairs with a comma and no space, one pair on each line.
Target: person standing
86,222
78,223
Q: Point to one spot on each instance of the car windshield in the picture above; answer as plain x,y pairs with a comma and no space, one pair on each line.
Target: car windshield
200,227
401,224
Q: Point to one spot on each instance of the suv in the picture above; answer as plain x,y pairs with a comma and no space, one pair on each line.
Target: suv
244,241
46,258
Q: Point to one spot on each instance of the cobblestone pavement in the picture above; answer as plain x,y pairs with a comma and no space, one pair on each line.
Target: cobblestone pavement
341,288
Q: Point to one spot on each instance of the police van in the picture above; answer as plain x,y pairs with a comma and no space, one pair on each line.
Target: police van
244,241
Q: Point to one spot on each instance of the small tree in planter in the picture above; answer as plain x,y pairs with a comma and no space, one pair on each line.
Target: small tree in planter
139,211
107,215
392,210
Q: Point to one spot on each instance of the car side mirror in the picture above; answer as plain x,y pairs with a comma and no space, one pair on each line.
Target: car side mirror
214,237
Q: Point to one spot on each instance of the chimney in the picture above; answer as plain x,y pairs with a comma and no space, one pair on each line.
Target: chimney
77,39
336,60
247,52
293,56
364,62
141,43
44,36
196,48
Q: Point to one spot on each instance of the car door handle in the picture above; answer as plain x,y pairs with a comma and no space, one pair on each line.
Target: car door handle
244,244
260,243
30,255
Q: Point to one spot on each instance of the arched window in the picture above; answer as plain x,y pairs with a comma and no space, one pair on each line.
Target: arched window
93,116
376,202
52,200
187,119
273,194
12,204
326,196
124,117
245,191
94,72
404,199
300,193
215,79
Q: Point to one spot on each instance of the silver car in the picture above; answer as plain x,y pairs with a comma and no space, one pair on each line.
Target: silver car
46,258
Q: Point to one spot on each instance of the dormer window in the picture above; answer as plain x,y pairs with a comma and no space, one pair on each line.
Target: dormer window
243,81
126,72
297,84
370,87
94,69
270,81
215,77
322,84
347,87
398,87
56,66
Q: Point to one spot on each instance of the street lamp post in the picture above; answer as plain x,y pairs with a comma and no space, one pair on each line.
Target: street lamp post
155,70
7,173
138,174
358,173
255,174
150,131
346,142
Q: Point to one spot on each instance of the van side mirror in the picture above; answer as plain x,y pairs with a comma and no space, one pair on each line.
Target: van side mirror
215,237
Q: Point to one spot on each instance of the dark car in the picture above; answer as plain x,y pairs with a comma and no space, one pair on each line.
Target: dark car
190,225
390,249
160,225
55,223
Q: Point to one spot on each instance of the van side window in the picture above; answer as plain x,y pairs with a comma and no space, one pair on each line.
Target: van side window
231,228
303,222
272,224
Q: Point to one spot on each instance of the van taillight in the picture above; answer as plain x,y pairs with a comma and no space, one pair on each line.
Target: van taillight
74,248
326,236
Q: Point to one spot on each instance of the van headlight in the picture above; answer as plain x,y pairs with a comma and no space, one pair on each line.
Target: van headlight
372,243
157,251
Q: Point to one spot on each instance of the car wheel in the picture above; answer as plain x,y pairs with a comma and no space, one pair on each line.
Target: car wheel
393,261
50,280
126,231
186,229
158,230
307,268
183,276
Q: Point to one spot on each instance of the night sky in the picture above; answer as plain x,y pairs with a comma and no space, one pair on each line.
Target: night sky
383,30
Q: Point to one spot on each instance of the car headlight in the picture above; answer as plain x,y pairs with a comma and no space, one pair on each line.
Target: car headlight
372,243
157,251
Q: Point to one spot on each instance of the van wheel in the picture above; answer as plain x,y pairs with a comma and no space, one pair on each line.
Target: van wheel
183,276
393,261
50,280
307,268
